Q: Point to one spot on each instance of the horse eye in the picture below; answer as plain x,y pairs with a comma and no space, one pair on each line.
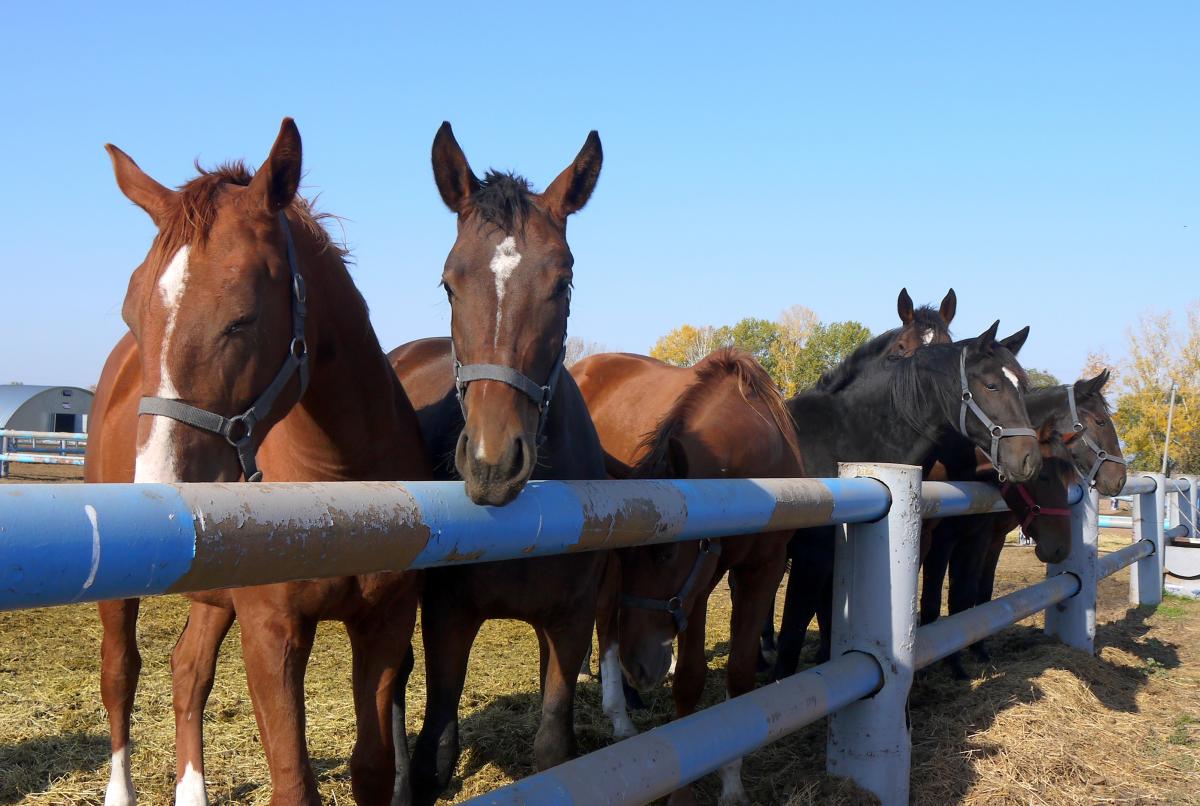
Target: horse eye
562,286
992,387
233,328
449,292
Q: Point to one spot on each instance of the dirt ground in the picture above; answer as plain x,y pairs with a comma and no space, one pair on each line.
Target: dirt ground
1039,724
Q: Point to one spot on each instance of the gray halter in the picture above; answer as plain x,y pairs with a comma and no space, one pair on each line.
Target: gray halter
674,605
238,431
998,432
540,395
1080,430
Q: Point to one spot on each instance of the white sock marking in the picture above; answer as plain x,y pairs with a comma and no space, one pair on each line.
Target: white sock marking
90,511
120,781
189,791
504,262
156,460
732,791
1012,377
612,694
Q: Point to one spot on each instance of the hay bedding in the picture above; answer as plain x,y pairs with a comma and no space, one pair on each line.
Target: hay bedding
1040,725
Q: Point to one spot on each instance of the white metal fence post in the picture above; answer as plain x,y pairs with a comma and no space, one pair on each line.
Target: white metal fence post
1073,621
875,611
3,464
1192,499
1146,578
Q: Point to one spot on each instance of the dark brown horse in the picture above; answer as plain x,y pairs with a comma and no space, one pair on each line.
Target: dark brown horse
1080,444
722,418
494,403
243,308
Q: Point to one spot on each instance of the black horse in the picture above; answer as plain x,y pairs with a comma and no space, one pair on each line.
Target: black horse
1079,443
900,411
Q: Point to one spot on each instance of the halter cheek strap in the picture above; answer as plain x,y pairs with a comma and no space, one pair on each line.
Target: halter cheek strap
238,431
997,432
1079,431
674,605
1033,509
540,395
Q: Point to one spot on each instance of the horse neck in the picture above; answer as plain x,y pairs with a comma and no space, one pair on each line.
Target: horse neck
354,420
1046,404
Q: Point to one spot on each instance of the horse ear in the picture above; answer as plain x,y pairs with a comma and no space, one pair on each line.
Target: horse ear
949,306
984,341
1092,386
1016,340
138,186
277,180
904,306
573,187
453,175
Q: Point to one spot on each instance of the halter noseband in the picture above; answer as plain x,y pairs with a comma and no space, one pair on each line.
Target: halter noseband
997,432
238,431
540,395
1079,430
1035,509
674,605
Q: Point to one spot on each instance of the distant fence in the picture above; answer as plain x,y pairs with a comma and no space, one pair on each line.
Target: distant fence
40,448
74,543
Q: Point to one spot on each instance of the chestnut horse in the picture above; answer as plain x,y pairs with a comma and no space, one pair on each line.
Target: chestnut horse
494,397
1076,428
900,411
239,283
722,418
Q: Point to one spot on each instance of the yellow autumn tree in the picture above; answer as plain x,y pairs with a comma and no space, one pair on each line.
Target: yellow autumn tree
1162,355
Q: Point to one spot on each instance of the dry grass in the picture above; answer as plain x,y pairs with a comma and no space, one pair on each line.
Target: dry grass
1041,724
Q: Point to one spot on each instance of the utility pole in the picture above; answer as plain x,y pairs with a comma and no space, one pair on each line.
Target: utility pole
1167,441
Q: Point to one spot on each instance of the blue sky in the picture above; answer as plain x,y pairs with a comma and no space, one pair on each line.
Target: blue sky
1041,158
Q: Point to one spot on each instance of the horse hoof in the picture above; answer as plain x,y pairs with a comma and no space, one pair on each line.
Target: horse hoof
624,731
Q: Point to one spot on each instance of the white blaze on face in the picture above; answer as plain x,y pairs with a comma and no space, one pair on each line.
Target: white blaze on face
120,781
1012,377
504,262
156,458
927,339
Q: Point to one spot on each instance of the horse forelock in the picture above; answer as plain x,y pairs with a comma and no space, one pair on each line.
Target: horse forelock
718,366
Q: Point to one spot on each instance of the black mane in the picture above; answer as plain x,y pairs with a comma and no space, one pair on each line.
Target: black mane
925,317
502,199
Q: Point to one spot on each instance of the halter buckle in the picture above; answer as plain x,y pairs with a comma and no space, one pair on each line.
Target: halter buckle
966,395
996,431
299,347
242,421
674,604
299,288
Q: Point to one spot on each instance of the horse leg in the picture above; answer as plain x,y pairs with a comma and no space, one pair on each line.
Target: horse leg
966,557
987,582
933,573
448,634
193,669
276,646
120,666
767,650
799,607
612,680
567,641
753,598
402,788
690,670
379,645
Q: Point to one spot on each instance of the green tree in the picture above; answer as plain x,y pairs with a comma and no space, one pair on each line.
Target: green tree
826,347
756,336
1040,378
685,345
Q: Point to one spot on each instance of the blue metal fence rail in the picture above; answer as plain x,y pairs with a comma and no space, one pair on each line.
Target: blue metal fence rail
41,448
73,543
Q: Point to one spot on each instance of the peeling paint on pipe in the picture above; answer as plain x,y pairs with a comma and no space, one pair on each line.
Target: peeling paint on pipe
1114,561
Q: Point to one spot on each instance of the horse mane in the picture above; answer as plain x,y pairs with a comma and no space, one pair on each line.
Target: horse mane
925,317
502,200
190,222
910,387
725,362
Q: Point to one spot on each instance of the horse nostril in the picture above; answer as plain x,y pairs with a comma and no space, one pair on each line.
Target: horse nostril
518,454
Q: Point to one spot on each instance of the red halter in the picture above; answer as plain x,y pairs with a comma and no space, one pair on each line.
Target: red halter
1035,509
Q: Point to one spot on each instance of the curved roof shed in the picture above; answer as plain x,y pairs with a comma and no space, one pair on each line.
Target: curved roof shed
44,408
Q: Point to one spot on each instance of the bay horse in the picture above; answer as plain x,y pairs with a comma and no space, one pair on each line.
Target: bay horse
497,409
919,327
721,418
900,411
1075,427
250,355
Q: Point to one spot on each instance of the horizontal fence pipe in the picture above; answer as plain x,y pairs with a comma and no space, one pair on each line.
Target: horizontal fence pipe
656,763
944,499
85,542
42,458
1116,522
1114,561
949,634
1139,485
48,435
1179,530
